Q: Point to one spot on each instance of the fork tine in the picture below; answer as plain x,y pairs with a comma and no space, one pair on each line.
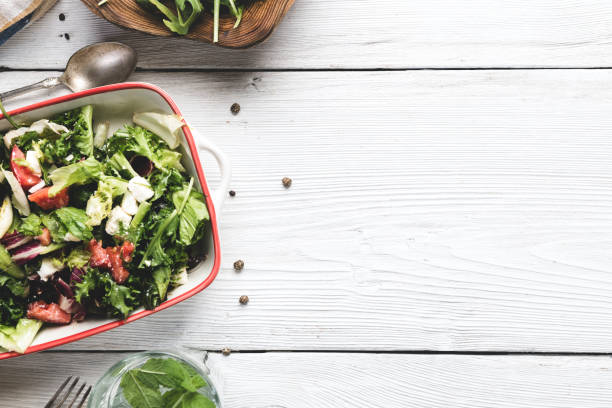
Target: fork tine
77,395
59,390
65,397
84,397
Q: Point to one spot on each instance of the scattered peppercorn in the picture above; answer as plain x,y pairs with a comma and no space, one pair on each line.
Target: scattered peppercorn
235,108
238,265
232,193
287,182
62,16
67,36
244,299
226,351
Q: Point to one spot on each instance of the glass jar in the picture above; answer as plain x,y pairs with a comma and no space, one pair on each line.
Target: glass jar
108,394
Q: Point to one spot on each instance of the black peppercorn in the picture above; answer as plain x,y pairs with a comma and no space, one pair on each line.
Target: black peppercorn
226,351
244,299
287,182
238,265
235,108
232,193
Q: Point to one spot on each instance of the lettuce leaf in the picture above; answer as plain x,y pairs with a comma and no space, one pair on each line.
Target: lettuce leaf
83,131
142,142
121,165
30,225
20,337
80,121
67,223
8,267
77,258
99,204
78,173
193,214
18,287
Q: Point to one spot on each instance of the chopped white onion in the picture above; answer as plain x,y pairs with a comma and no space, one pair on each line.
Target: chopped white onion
37,186
20,201
6,216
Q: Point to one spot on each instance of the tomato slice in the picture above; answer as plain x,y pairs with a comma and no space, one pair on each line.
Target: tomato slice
41,197
126,251
99,256
24,175
118,272
48,313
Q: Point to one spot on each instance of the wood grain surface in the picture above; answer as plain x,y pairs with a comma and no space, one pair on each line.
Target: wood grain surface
449,210
322,34
259,19
356,380
430,210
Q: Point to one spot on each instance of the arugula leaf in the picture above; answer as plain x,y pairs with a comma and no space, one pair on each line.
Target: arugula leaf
155,254
165,181
30,225
78,173
161,277
102,294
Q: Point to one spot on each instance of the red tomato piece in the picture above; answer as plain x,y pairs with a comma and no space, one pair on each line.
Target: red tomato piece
45,237
127,248
41,197
120,274
99,257
48,313
24,175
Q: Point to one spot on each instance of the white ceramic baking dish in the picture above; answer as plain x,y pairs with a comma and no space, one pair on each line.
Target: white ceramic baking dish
116,103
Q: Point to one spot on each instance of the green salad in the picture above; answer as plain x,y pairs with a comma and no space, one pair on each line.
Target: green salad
92,222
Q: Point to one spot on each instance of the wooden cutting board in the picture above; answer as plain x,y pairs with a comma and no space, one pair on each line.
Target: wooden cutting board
258,21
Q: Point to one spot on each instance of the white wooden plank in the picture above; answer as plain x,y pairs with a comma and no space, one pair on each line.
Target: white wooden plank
429,210
331,380
384,34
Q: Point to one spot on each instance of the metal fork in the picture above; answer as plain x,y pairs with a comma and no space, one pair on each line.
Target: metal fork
59,398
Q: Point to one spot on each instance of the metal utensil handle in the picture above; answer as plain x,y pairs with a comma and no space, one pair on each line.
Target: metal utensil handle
44,84
219,193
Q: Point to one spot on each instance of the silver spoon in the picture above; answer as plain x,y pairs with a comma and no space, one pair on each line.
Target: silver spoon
95,65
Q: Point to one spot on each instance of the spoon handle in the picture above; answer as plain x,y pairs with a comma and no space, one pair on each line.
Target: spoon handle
44,84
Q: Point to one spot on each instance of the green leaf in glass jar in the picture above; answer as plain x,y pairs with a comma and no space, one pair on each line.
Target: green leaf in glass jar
138,393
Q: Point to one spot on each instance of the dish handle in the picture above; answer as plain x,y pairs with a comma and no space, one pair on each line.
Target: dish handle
218,194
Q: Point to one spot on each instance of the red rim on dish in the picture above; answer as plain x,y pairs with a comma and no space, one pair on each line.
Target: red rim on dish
213,219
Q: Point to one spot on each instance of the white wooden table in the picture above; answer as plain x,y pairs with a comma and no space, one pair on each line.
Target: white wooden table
447,241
